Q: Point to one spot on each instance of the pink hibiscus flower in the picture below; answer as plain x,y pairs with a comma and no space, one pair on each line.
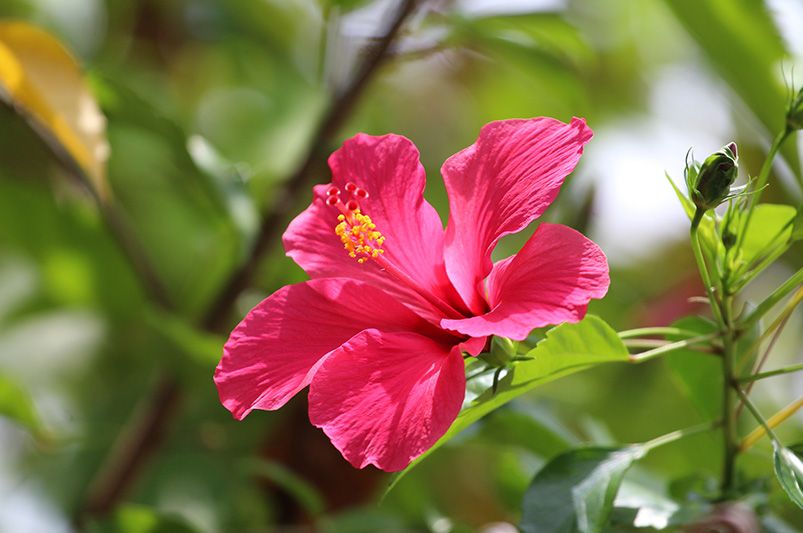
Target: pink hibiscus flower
393,301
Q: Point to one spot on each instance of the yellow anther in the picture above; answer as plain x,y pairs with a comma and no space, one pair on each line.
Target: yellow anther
359,236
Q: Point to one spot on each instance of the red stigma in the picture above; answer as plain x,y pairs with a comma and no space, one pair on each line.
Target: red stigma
332,200
352,205
332,191
351,187
362,194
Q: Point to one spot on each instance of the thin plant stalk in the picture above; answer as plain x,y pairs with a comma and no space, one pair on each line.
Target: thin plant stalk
777,325
640,332
679,434
655,352
760,362
772,373
761,181
774,298
765,426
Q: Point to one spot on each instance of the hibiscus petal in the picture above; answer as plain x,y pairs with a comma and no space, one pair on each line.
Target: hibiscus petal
274,352
388,167
385,398
550,281
500,184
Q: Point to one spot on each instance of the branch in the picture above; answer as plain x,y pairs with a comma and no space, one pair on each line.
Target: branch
141,437
143,434
124,235
273,221
666,348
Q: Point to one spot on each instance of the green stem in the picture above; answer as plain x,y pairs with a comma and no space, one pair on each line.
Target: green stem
755,412
679,434
645,343
775,329
638,332
773,421
748,273
729,440
771,373
776,296
701,267
651,354
761,181
763,359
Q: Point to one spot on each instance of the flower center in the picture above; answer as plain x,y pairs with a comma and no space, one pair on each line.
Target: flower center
363,241
356,230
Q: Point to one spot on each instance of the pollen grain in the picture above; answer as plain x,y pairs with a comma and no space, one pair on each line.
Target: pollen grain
359,236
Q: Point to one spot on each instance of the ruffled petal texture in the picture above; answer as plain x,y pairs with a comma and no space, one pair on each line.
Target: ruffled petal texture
388,167
499,185
385,398
550,281
274,352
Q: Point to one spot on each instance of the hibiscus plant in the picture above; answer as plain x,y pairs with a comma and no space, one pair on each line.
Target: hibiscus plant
399,313
407,336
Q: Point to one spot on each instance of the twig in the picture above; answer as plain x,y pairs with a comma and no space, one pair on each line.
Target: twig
125,237
773,421
660,330
760,362
272,222
143,435
666,348
772,373
140,438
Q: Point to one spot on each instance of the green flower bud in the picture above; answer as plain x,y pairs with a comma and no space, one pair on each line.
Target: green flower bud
712,184
794,115
502,351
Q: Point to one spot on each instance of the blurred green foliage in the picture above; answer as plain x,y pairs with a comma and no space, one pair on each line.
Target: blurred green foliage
211,106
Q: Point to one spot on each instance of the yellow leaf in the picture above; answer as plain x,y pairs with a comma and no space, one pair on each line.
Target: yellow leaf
44,83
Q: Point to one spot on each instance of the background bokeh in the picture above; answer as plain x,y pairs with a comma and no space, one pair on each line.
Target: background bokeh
213,105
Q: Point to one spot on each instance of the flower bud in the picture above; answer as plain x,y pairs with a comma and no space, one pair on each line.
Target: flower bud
794,115
712,185
502,351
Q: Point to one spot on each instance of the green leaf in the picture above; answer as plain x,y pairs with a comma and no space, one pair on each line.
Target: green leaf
527,428
200,346
132,518
299,488
566,349
16,405
789,471
743,44
688,206
706,230
770,226
347,5
797,226
576,490
649,506
698,375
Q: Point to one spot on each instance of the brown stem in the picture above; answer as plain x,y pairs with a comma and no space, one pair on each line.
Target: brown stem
125,236
141,437
338,111
143,434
